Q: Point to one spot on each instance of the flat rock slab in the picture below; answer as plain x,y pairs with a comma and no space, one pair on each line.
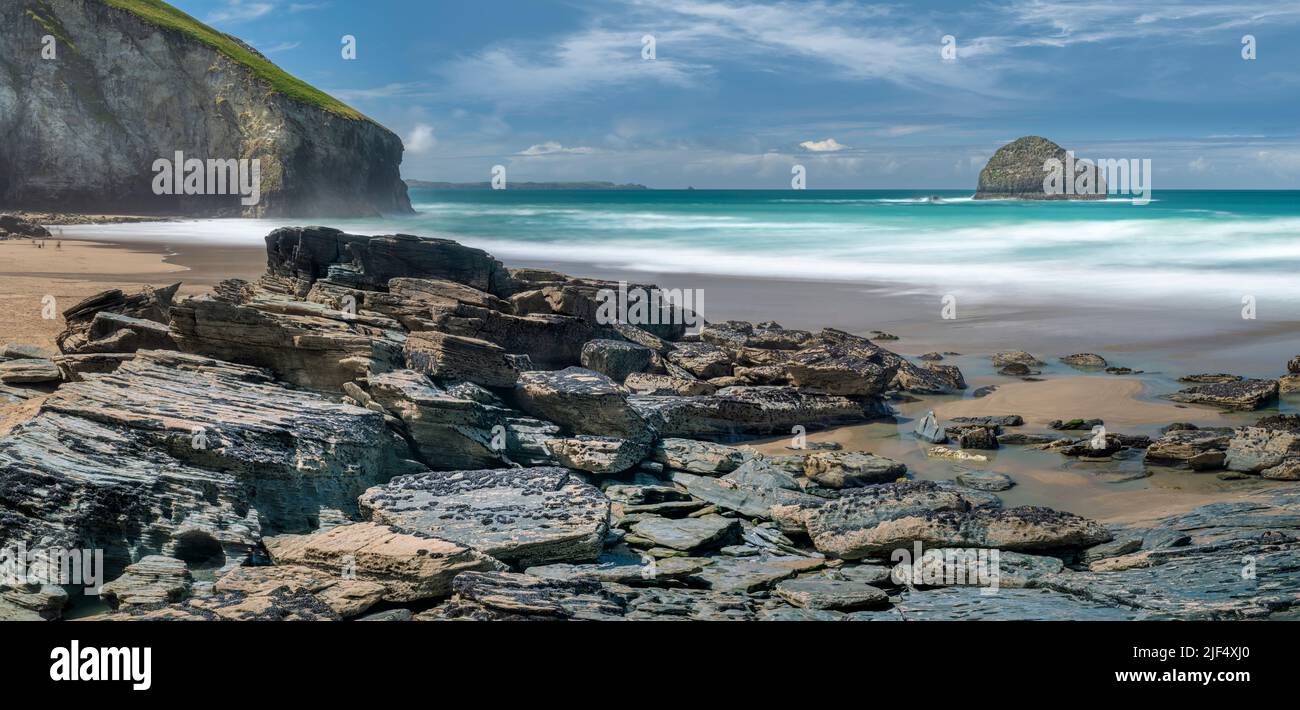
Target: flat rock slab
521,516
700,457
851,469
583,401
653,572
504,596
687,534
29,371
831,594
347,597
755,573
985,480
409,564
154,579
1240,395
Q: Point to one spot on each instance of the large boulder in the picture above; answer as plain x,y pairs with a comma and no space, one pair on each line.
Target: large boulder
454,357
521,516
851,469
298,256
843,364
742,411
1238,395
147,304
1199,450
617,359
1017,170
448,432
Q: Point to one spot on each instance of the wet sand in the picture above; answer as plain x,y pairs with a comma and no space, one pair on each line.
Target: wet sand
1163,343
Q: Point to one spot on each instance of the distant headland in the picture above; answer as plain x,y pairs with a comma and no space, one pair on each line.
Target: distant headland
586,185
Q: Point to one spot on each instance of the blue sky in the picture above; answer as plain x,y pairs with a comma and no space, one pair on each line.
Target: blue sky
858,93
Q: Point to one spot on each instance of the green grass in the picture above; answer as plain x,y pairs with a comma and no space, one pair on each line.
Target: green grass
163,15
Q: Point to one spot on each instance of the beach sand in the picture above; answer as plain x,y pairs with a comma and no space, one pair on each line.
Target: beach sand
1113,492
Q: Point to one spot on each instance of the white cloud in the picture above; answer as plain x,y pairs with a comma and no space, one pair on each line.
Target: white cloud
421,139
553,148
1199,165
240,11
282,47
830,145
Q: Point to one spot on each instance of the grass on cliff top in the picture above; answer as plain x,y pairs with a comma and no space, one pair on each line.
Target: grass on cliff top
163,15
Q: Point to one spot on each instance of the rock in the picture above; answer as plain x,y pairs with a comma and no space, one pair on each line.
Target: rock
1288,384
874,520
188,457
596,454
842,469
503,596
31,601
147,304
688,605
831,594
746,492
583,401
985,480
1018,439
737,411
306,344
762,375
1085,361
1255,449
754,573
973,437
346,597
1240,395
1018,170
703,360
17,226
933,357
117,333
993,421
843,364
298,256
1074,424
449,432
20,351
1209,378
616,359
629,571
1017,369
927,429
453,357
701,457
521,516
667,385
277,604
929,379
1016,357
686,534
389,615
15,372
154,579
1196,449
409,564
74,367
943,452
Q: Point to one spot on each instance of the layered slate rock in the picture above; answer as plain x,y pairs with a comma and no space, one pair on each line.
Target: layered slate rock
307,344
147,304
410,564
504,596
872,521
833,594
346,596
521,516
298,256
740,411
277,604
1238,395
1271,448
1017,170
851,469
454,357
185,456
596,454
699,456
154,579
448,432
1199,450
686,534
751,490
617,359
843,364
582,401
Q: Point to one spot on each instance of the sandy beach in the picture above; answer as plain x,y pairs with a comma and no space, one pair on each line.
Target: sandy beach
1112,492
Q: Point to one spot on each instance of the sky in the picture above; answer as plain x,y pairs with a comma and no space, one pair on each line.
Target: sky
862,95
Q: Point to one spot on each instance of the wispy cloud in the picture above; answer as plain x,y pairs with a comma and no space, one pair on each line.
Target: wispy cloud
554,148
830,145
235,11
281,47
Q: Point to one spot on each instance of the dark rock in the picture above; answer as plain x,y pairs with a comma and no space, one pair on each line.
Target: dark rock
1085,361
985,480
1240,395
1017,170
504,596
582,401
453,357
842,469
146,304
616,359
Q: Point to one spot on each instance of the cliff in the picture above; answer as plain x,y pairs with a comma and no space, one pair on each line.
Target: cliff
1017,171
135,81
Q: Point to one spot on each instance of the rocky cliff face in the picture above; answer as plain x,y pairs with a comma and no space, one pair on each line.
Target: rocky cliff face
1016,171
134,81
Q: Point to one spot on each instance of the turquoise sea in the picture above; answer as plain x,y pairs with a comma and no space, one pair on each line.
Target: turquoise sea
1190,245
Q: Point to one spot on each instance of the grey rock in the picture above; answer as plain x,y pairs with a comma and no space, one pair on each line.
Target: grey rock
851,469
700,457
687,534
597,454
831,594
1240,395
616,359
1016,171
985,480
153,579
583,401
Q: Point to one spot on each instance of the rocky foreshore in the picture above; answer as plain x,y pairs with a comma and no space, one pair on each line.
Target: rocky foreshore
396,427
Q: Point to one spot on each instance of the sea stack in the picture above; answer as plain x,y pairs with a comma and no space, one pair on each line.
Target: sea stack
1016,171
94,93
